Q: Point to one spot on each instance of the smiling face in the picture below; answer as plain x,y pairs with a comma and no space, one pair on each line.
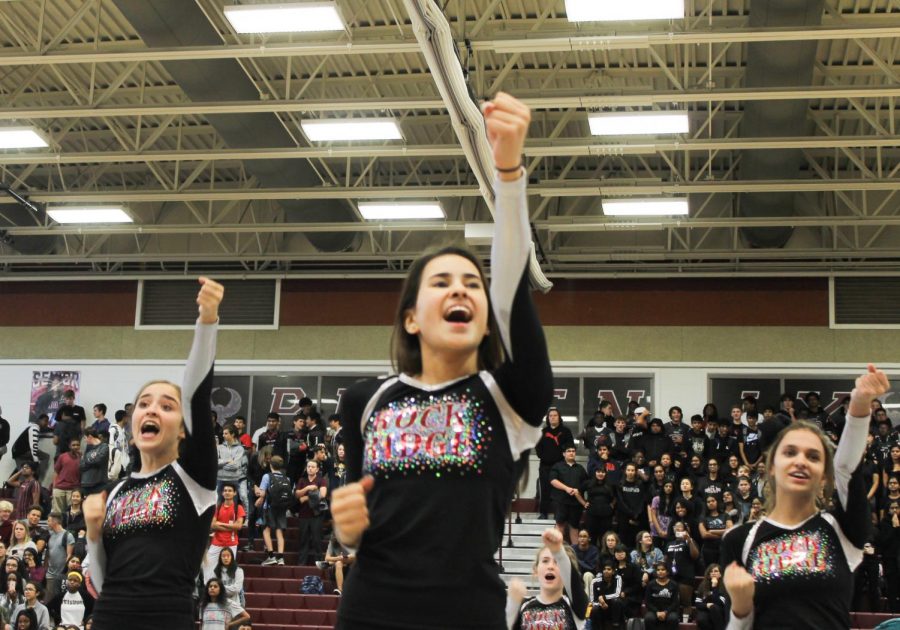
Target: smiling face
157,422
451,309
547,573
798,466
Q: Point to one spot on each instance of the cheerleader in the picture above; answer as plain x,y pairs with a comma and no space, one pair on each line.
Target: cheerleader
794,567
438,446
557,605
147,538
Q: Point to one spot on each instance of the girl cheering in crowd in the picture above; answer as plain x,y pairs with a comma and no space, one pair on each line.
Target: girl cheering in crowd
793,568
440,443
146,540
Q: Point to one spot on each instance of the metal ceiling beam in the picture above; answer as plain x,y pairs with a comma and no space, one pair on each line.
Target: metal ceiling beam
576,224
639,99
511,45
610,188
537,149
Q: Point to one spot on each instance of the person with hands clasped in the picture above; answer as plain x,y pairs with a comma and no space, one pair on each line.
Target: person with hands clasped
433,453
561,599
793,568
146,539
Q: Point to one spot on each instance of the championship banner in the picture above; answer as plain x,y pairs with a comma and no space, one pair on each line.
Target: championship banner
47,390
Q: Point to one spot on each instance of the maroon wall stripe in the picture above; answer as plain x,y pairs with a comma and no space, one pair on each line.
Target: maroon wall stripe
671,302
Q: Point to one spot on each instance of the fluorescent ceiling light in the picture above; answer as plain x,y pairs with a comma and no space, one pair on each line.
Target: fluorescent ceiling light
638,123
351,129
615,10
394,210
285,18
645,207
20,138
75,214
479,233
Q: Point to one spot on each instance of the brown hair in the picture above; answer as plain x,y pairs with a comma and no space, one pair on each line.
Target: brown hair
406,353
827,446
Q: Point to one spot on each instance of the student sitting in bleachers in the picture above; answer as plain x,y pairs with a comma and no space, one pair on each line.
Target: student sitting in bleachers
217,611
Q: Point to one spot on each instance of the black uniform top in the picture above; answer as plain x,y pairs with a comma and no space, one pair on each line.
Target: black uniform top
573,476
443,458
562,614
803,573
157,522
552,443
662,597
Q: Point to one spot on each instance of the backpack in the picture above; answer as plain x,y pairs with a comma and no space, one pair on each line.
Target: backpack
312,585
280,491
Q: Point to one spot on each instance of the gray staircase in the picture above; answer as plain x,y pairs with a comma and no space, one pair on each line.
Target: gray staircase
519,558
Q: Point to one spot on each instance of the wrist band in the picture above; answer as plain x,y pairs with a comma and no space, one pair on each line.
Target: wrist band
514,169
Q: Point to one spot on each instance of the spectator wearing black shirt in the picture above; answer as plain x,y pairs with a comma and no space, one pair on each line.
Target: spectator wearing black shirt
683,553
814,412
724,444
632,584
315,433
631,504
297,448
274,436
310,491
656,442
888,546
736,426
712,527
711,600
620,442
661,600
607,597
749,445
677,431
75,412
696,439
600,495
712,484
67,428
600,424
567,477
94,463
554,439
639,429
336,432
4,433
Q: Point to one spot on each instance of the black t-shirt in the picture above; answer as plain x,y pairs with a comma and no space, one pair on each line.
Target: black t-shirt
804,574
444,461
707,487
710,523
157,522
662,597
535,615
573,476
679,554
752,448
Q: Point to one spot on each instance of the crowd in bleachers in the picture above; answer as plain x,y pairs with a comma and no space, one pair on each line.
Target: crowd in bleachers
262,479
655,498
644,516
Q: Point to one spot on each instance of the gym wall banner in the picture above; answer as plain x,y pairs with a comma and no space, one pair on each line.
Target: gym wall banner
47,390
230,397
619,391
768,391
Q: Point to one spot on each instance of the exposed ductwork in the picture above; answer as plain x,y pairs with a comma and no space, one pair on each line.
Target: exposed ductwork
166,23
775,65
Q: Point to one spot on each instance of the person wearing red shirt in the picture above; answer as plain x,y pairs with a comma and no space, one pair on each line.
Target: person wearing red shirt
68,476
227,522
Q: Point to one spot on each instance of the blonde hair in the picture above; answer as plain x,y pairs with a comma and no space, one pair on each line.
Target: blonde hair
567,548
27,538
769,489
6,505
